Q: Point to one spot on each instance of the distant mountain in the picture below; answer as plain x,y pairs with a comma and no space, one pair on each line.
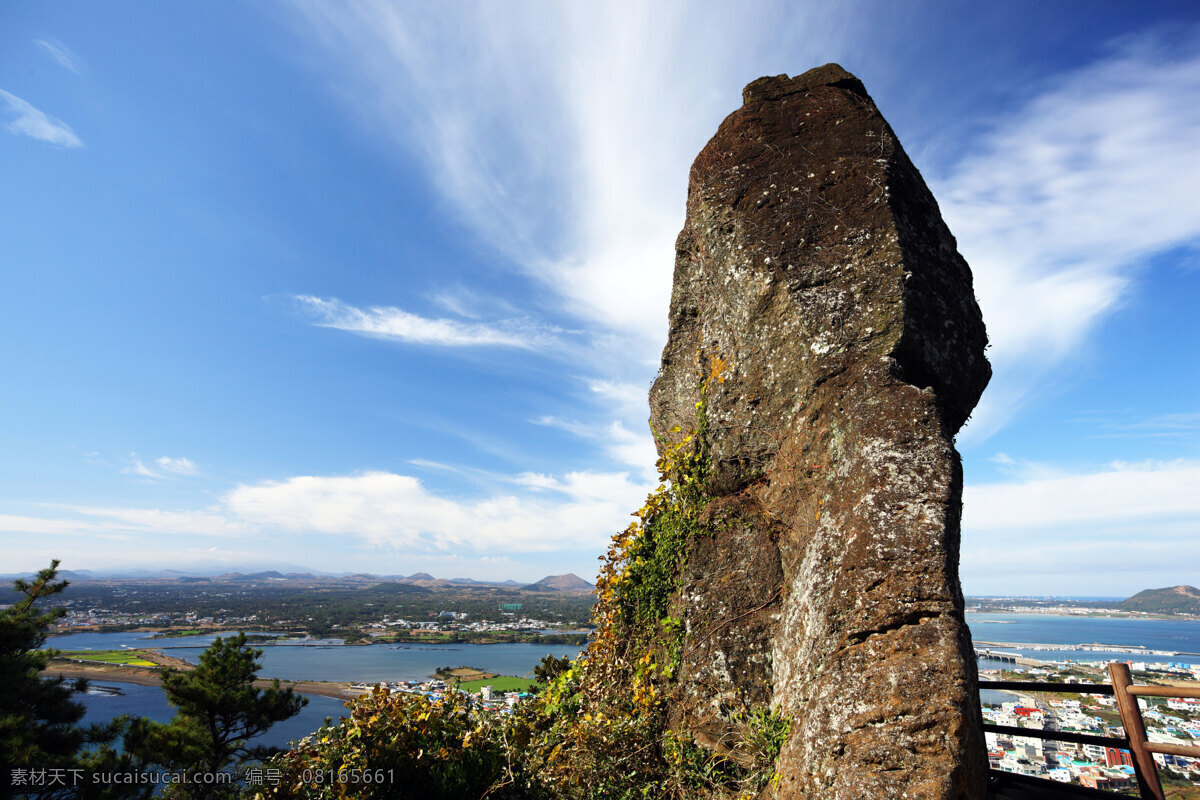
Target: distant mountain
147,574
1169,600
425,579
75,575
399,587
268,575
560,583
201,570
288,576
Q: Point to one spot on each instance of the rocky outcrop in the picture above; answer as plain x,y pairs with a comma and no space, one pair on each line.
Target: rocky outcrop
823,323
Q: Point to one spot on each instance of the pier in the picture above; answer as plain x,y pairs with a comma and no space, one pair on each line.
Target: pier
1006,657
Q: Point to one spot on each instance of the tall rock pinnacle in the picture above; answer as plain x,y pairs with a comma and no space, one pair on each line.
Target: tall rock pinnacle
825,338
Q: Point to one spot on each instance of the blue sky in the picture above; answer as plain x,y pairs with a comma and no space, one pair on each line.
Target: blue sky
381,286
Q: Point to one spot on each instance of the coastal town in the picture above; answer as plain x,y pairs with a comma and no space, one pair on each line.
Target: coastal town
190,623
358,612
486,695
1167,720
356,609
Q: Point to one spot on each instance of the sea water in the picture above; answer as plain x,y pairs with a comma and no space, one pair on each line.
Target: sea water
151,702
319,660
1180,637
328,660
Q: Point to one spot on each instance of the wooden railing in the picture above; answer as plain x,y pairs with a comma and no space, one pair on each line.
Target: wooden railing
1126,693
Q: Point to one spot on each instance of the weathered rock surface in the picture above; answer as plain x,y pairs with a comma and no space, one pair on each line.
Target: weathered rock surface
824,321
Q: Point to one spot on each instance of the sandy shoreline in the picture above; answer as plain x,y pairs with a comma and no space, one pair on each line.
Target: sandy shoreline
148,676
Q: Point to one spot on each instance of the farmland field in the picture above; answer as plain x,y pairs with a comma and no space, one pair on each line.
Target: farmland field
501,683
131,658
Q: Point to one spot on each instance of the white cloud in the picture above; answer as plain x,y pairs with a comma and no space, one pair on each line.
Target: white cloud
536,481
1062,203
1056,531
1118,562
392,323
628,396
36,124
1121,492
177,466
399,513
396,515
1123,527
636,450
618,443
163,467
60,53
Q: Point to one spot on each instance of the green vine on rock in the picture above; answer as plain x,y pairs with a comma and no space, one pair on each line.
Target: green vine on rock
601,729
642,570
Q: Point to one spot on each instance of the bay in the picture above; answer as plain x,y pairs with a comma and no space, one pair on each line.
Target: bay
1178,636
392,662
328,660
318,660
151,702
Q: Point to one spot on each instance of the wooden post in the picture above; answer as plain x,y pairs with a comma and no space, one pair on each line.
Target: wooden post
1135,732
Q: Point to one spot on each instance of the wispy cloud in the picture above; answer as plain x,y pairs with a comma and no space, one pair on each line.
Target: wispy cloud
387,322
1059,207
620,444
1172,426
177,466
203,522
21,523
470,304
1024,470
60,53
163,467
562,134
562,137
627,396
29,121
97,520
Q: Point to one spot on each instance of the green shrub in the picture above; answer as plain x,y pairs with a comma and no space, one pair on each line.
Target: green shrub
400,746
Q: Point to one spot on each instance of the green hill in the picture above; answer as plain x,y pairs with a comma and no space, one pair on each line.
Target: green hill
1169,600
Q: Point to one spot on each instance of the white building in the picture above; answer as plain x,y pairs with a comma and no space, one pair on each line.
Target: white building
1184,704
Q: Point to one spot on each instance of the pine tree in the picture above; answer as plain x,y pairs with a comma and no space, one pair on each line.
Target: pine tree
219,712
44,752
